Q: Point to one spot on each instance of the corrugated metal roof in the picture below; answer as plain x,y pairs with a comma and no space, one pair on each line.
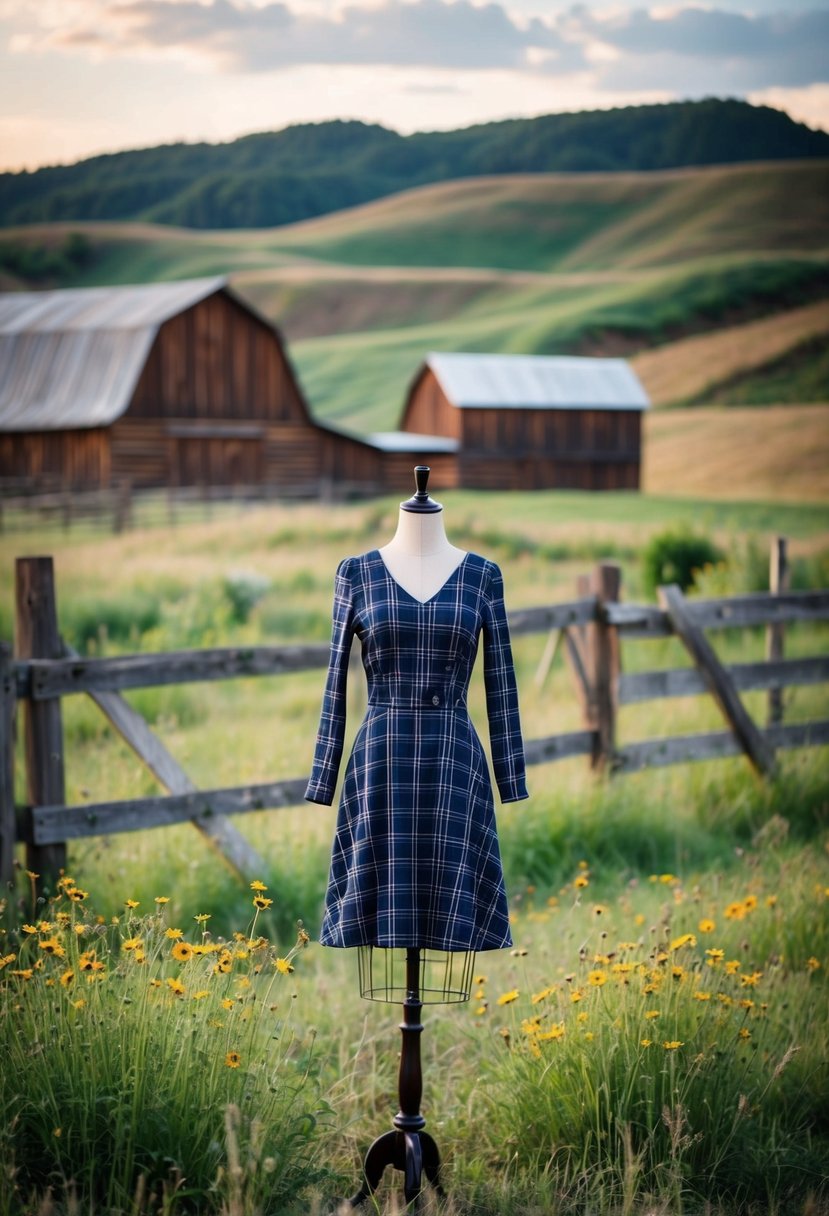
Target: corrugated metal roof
71,358
537,382
409,441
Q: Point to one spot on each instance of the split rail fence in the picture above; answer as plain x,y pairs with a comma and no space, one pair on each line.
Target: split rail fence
42,670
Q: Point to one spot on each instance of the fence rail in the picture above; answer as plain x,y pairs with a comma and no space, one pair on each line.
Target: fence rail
43,671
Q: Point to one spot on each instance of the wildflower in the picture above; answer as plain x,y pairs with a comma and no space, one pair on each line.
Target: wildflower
672,1044
646,1042
597,978
67,978
750,981
173,934
746,1003
771,901
542,995
600,909
51,945
678,972
29,928
813,964
87,960
589,1036
622,968
77,895
520,953
6,959
224,965
706,925
555,1032
482,1008
175,986
504,1033
750,903
79,1003
283,966
732,966
132,943
735,911
744,1032
256,885
581,882
576,995
182,952
652,1013
201,994
260,902
702,996
132,904
228,1003
687,939
649,988
480,979
202,918
233,1059
601,959
25,974
162,899
715,955
531,1025
506,998
668,879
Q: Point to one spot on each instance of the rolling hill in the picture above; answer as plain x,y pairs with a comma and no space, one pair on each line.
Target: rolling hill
279,177
715,281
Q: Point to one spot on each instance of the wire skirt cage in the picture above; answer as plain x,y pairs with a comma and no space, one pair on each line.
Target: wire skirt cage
445,975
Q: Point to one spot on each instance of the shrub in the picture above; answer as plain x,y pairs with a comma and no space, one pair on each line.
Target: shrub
674,556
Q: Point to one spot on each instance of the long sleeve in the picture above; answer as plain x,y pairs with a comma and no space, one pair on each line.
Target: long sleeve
329,747
505,737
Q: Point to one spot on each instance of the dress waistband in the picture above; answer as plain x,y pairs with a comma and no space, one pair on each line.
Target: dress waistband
432,698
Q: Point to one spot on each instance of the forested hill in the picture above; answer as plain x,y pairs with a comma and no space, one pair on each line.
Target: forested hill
302,171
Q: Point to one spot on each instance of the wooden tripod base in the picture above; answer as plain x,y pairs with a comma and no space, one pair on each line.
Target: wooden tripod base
414,1153
408,1148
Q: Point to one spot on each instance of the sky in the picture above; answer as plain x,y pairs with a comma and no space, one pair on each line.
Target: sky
80,77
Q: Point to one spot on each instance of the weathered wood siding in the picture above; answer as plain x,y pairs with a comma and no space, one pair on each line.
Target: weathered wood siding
547,448
217,404
72,459
428,410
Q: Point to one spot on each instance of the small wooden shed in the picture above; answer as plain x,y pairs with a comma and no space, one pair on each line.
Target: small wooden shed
532,421
162,385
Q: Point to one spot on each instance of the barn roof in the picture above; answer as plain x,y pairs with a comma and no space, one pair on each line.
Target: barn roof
72,357
410,441
537,382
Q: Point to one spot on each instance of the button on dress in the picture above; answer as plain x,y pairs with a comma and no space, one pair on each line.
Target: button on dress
415,860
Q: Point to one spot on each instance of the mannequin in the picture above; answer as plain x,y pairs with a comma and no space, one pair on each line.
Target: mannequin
419,556
416,877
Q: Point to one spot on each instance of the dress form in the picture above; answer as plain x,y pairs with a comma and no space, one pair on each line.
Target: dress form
419,556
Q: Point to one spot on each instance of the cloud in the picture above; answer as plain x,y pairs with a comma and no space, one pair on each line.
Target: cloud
709,48
240,36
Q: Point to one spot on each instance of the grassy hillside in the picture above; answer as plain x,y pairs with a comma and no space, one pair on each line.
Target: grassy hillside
716,282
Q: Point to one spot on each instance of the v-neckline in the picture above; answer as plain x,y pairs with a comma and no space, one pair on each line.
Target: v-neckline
408,594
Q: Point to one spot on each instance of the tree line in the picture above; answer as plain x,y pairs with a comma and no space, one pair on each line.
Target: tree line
278,177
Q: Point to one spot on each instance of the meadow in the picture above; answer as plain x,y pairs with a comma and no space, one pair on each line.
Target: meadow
656,1042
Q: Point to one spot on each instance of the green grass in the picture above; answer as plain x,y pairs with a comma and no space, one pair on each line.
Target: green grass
800,375
583,1137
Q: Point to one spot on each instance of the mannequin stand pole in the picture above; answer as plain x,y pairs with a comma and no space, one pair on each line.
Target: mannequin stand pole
408,1148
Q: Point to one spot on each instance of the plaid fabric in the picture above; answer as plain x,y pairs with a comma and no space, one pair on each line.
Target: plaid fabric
415,860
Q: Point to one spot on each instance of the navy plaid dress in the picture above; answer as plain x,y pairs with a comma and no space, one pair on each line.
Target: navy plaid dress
415,860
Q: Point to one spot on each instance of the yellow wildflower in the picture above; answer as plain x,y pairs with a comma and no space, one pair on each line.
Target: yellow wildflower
132,943
228,1003
646,1042
261,902
702,996
132,904
182,952
176,986
652,1013
597,978
283,966
174,934
201,994
706,925
506,998
581,881
750,981
233,1059
672,1044
813,964
67,978
162,899
555,1032
744,1032
686,939
51,945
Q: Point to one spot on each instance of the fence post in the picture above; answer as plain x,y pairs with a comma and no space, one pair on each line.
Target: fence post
606,582
8,832
36,637
779,579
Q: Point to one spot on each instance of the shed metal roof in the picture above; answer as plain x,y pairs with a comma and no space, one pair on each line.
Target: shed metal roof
72,357
537,382
410,441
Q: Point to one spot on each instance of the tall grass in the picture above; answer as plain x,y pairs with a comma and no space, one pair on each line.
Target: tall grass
141,1061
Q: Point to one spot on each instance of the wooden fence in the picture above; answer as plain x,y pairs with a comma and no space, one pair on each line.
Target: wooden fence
42,670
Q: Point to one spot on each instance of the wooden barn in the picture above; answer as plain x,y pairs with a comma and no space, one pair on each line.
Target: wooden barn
161,385
530,421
